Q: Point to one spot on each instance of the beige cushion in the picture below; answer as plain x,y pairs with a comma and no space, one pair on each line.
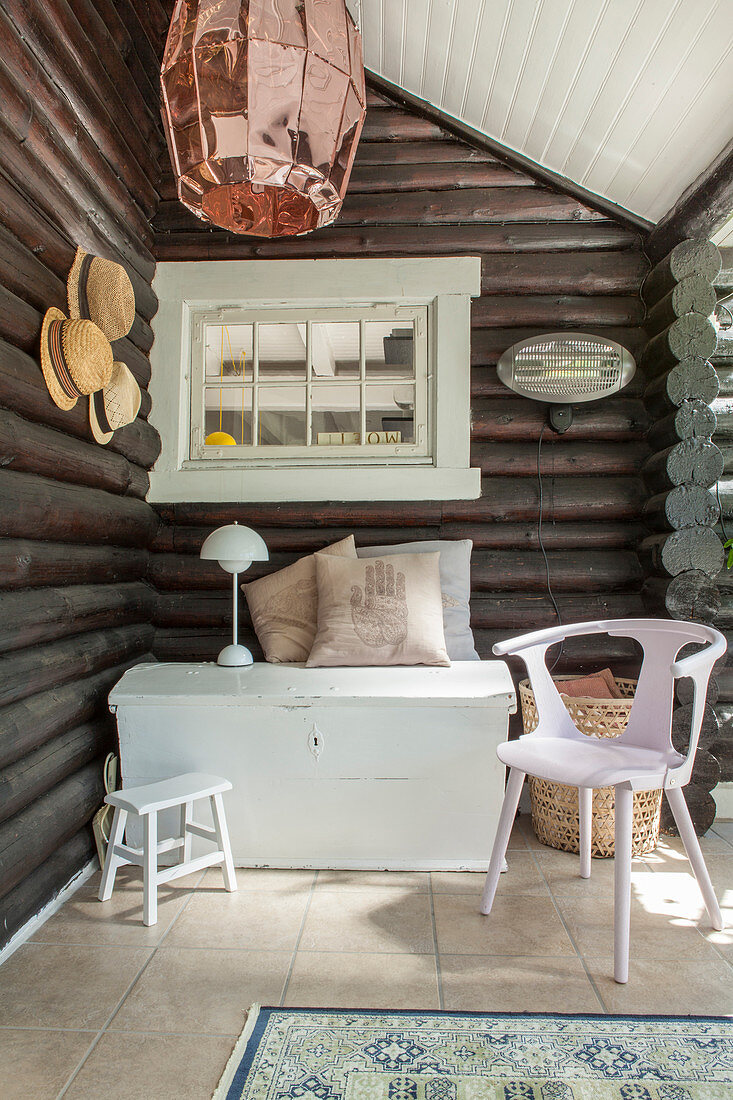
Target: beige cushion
379,611
284,606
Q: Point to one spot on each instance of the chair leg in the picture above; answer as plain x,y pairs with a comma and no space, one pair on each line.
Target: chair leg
501,840
681,814
186,808
624,809
222,836
585,819
150,868
112,862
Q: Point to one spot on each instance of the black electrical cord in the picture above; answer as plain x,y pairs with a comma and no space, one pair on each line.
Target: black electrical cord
542,545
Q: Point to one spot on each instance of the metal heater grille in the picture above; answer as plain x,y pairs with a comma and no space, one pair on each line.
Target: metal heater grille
564,368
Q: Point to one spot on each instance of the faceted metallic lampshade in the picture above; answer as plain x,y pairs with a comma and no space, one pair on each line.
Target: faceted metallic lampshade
263,105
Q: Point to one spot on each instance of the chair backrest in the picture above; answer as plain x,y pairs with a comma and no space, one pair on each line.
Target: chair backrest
650,721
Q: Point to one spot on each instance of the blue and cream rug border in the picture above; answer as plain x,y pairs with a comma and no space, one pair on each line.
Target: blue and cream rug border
327,1054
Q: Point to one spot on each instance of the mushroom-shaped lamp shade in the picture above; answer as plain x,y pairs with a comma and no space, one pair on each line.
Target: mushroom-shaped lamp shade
235,548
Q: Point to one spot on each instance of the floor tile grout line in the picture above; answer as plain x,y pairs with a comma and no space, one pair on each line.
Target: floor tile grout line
298,938
438,970
570,936
127,992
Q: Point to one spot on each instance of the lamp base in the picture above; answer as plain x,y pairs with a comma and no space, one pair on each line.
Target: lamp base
234,656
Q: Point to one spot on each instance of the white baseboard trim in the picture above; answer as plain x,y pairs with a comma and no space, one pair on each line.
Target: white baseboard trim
31,927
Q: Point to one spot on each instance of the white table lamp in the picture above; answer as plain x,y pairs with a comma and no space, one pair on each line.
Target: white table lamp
235,548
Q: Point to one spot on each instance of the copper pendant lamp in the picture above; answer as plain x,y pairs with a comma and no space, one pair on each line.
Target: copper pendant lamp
263,105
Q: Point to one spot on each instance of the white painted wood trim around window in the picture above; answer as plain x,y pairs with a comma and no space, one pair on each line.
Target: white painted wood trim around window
444,285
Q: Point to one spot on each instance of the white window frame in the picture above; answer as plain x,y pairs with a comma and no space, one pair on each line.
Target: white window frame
442,287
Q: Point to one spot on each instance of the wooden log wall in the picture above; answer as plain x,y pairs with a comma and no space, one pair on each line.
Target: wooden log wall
548,263
80,146
683,555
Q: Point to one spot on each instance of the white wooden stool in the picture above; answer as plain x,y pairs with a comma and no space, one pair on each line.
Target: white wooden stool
183,791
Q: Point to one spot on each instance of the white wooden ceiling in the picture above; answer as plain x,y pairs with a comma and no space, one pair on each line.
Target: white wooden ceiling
632,99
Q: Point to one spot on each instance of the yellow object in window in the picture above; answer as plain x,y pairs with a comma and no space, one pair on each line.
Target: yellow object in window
220,439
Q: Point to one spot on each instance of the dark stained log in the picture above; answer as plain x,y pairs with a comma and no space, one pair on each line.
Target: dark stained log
20,323
103,93
486,205
683,506
26,563
697,257
299,540
52,243
26,780
560,536
563,273
107,32
689,336
692,420
33,506
53,177
693,295
535,612
506,310
692,595
701,209
517,499
701,805
27,725
724,619
199,644
431,176
721,747
30,837
36,616
46,64
681,724
44,883
516,418
393,124
692,548
198,243
23,389
40,667
296,515
723,409
691,462
690,380
32,448
566,459
706,770
685,686
387,153
488,344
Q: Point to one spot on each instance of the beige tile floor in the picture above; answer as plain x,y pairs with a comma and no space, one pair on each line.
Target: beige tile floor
96,1005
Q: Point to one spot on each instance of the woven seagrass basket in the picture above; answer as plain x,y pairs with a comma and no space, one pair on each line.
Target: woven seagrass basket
555,806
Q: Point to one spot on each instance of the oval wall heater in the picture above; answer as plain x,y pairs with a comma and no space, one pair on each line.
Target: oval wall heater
562,367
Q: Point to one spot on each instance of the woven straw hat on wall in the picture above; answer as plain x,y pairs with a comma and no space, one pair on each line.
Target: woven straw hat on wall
115,405
100,290
76,358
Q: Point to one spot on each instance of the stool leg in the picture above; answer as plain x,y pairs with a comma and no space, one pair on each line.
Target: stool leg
112,862
585,818
222,837
185,818
150,868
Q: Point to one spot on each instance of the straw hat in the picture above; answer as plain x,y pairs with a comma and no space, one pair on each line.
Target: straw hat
115,405
101,291
76,358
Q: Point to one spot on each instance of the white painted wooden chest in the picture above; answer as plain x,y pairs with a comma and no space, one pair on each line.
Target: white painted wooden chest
346,768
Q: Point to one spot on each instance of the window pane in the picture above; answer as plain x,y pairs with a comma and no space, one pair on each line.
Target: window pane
389,349
335,349
336,415
228,351
390,410
228,409
282,351
282,416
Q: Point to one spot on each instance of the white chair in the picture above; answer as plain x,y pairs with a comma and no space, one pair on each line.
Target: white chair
181,791
641,758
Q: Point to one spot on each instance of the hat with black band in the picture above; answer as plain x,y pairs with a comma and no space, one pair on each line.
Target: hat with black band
117,404
76,358
100,290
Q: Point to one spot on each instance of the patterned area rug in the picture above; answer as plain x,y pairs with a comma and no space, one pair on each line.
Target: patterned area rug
318,1054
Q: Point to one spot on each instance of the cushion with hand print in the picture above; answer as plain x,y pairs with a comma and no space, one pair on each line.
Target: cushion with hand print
283,606
455,586
379,611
